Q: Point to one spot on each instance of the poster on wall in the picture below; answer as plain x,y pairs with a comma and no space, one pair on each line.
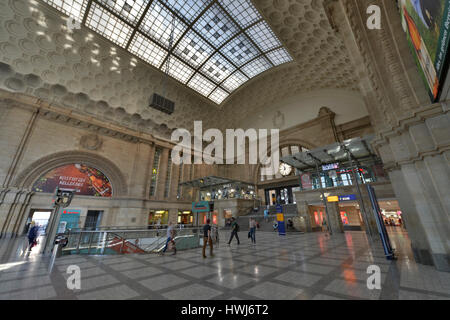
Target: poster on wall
84,180
305,179
427,26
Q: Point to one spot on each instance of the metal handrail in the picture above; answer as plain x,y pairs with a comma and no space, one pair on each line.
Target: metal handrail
99,241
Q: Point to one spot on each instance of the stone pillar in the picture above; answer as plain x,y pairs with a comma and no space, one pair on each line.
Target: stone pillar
173,216
14,206
335,217
174,177
162,174
416,157
304,217
140,179
368,217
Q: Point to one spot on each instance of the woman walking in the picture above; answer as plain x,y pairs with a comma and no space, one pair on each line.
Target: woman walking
252,226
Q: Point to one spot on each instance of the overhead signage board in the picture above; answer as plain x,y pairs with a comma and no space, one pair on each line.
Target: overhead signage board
348,197
200,206
333,199
330,166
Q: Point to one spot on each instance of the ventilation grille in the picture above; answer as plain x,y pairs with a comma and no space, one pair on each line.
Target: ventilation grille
162,104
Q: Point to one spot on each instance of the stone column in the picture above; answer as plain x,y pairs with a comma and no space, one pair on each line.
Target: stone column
14,205
162,174
335,217
173,216
139,179
416,157
304,217
174,177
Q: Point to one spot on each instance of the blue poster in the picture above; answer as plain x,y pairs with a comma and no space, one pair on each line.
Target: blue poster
280,221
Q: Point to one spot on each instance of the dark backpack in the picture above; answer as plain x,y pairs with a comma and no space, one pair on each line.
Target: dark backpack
237,228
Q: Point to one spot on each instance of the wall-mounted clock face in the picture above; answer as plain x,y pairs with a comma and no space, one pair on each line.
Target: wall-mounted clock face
285,169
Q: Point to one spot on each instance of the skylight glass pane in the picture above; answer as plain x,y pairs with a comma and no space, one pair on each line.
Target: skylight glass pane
218,95
147,50
193,49
234,81
263,36
178,69
157,24
217,68
256,66
187,9
202,85
72,8
129,10
215,26
240,50
279,56
242,11
103,22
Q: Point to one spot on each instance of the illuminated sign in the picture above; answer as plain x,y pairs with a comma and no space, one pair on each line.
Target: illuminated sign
426,23
82,179
348,197
331,166
333,199
201,206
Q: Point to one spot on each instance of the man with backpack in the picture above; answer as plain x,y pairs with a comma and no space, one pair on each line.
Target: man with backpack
234,230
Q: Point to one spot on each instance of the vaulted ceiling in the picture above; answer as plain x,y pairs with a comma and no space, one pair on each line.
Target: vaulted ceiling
80,69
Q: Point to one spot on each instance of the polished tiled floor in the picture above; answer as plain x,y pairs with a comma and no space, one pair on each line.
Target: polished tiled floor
299,266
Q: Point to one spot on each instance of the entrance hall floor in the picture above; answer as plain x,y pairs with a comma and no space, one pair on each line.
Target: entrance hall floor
298,266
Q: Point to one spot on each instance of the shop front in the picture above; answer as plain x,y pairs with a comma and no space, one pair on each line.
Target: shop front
185,217
158,218
281,195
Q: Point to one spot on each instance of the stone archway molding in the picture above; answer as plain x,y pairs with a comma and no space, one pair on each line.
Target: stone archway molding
40,167
283,143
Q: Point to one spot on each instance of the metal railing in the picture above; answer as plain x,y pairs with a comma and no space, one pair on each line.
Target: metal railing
118,241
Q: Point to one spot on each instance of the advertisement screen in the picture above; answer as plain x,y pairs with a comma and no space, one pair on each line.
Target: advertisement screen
82,179
427,26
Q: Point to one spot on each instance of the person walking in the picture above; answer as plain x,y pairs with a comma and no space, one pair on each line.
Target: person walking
170,239
266,214
252,226
234,231
207,238
33,234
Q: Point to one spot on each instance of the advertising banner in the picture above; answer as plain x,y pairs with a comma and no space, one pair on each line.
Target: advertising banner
82,179
201,206
427,25
69,219
305,179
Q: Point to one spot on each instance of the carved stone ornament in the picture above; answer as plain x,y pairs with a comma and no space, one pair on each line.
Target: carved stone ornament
278,119
91,142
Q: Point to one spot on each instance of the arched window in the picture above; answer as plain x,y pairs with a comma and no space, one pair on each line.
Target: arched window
284,171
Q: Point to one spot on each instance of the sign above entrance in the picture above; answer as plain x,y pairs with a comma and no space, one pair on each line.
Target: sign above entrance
330,166
348,197
333,199
82,179
201,206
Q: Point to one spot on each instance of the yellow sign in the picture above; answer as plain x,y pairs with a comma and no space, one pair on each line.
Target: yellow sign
280,217
333,199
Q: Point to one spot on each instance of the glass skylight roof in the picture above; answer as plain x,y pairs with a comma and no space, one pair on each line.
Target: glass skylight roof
217,68
217,45
73,8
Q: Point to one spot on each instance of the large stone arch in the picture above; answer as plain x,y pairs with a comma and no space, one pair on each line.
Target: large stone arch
283,143
29,175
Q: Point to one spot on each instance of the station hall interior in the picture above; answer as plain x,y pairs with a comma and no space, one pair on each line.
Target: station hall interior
93,92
